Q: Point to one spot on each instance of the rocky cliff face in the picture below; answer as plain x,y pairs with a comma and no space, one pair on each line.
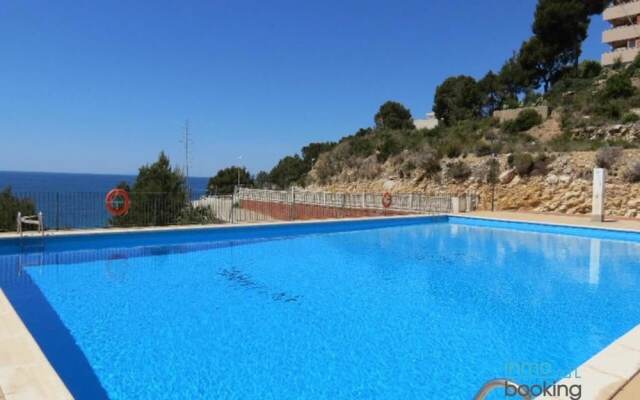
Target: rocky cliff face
565,186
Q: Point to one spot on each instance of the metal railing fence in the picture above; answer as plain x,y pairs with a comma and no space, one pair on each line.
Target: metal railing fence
410,202
83,210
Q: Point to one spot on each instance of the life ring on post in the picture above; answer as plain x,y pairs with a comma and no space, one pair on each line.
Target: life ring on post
386,200
117,202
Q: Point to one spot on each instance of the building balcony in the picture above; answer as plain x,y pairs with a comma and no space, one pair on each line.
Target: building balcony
624,55
621,33
623,10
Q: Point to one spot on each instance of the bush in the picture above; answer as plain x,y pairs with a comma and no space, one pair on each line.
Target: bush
526,120
610,109
632,174
9,207
589,69
630,117
618,86
540,163
197,215
452,149
325,168
389,147
458,171
483,149
369,168
429,161
523,163
362,146
607,156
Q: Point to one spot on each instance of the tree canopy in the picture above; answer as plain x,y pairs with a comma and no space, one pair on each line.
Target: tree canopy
226,180
312,151
158,195
456,99
10,205
393,115
289,171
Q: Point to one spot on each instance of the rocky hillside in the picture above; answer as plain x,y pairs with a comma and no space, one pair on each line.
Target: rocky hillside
564,186
538,163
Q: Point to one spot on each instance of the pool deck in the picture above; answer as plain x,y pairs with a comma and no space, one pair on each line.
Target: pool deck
612,374
626,224
25,373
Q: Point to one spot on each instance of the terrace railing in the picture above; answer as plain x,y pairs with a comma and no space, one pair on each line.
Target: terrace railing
410,202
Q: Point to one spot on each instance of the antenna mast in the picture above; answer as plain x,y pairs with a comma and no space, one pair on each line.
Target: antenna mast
186,139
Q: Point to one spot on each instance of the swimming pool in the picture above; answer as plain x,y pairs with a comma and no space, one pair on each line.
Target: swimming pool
418,308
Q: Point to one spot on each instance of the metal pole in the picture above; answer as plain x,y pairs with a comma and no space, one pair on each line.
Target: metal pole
57,211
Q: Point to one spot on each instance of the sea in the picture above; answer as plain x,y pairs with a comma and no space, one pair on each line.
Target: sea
70,200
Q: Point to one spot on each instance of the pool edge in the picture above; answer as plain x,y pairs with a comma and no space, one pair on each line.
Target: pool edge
608,371
25,372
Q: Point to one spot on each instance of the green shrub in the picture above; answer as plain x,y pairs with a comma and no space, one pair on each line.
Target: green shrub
609,109
362,146
389,147
523,163
630,117
526,120
618,86
197,215
452,149
589,69
483,149
9,207
458,171
429,161
607,156
632,174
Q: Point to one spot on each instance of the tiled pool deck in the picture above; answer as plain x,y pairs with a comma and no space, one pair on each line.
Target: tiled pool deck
25,373
612,374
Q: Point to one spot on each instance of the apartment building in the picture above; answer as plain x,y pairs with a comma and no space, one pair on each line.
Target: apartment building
624,33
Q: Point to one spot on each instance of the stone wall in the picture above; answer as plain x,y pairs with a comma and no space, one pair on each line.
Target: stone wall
296,212
621,132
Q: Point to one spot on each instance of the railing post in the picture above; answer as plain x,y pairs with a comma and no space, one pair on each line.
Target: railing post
57,211
292,204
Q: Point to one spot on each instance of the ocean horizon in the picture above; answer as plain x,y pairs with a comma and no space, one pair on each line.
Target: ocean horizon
66,182
73,200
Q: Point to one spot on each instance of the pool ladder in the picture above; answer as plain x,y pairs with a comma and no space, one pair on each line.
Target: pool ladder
497,383
37,220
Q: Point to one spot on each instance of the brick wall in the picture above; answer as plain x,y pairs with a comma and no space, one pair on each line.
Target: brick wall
290,212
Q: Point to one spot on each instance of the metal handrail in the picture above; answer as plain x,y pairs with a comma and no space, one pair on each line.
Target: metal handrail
496,383
37,220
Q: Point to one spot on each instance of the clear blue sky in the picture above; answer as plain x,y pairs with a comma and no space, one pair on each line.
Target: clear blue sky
104,86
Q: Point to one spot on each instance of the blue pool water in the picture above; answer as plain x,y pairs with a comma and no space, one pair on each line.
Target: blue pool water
414,311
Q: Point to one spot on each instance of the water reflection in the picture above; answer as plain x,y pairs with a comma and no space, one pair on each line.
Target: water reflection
594,262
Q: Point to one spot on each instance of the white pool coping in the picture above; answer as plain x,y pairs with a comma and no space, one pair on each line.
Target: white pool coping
601,377
25,372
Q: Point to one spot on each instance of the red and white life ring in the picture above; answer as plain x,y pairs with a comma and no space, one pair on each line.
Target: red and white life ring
117,202
386,200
